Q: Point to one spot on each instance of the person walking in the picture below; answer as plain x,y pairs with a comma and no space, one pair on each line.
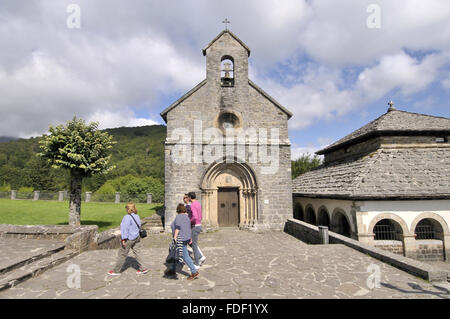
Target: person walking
196,224
181,231
130,239
187,203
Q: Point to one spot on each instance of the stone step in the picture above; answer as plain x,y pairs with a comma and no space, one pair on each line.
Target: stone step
14,277
30,259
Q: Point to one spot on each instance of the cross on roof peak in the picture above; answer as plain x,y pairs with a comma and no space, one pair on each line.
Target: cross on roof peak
226,21
391,106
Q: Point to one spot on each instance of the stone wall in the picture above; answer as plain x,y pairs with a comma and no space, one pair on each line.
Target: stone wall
78,238
430,250
394,246
365,147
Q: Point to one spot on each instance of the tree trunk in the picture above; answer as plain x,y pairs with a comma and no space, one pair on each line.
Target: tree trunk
75,199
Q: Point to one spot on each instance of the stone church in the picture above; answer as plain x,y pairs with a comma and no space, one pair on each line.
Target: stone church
227,140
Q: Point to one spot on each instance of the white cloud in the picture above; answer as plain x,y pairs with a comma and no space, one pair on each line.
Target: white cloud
119,119
126,55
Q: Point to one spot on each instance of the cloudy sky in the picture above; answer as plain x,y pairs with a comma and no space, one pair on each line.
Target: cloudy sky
332,63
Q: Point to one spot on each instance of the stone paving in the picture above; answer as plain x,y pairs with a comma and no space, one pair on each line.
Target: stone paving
239,264
13,251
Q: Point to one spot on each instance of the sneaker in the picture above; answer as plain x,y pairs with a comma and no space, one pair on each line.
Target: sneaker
112,273
202,260
141,272
193,276
196,267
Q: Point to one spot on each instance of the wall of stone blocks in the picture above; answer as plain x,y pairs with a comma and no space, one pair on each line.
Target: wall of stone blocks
393,246
430,250
365,147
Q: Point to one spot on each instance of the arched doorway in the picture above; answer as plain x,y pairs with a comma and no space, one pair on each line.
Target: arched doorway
340,224
298,212
323,219
230,195
310,216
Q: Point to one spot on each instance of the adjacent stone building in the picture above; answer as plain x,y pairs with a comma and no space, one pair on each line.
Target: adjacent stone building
248,183
386,184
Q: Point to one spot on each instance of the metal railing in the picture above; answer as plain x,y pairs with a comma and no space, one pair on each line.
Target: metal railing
384,232
425,232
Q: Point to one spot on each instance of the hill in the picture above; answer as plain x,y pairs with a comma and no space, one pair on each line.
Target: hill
7,138
139,152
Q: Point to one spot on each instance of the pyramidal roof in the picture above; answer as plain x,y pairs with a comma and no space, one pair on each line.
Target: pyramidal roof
391,173
393,121
221,34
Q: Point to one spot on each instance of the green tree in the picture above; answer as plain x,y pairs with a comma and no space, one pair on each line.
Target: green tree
305,163
83,150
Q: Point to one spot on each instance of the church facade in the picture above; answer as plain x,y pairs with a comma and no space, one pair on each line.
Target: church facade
227,140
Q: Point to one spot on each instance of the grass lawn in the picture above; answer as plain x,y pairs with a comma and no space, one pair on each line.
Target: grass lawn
29,212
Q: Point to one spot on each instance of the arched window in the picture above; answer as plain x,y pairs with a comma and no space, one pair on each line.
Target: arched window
227,71
310,216
298,212
323,219
428,229
387,229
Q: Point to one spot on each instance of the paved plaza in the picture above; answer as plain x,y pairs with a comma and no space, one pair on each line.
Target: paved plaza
239,264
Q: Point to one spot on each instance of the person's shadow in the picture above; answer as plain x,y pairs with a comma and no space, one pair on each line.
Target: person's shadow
171,271
130,262
443,292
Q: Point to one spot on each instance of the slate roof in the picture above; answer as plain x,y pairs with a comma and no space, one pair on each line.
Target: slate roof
392,122
388,173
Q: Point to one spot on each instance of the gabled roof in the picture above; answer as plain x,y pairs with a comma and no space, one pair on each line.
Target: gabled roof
230,33
388,173
198,86
181,99
393,122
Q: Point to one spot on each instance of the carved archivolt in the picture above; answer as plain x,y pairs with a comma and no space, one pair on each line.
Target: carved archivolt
234,174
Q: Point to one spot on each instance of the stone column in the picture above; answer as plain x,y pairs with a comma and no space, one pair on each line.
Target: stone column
149,198
446,242
367,238
13,194
88,197
323,235
117,201
409,246
243,206
36,195
61,196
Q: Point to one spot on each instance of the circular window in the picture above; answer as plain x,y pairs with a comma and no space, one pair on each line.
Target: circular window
228,120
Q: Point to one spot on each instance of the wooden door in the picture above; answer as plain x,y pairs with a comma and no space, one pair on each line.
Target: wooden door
228,207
